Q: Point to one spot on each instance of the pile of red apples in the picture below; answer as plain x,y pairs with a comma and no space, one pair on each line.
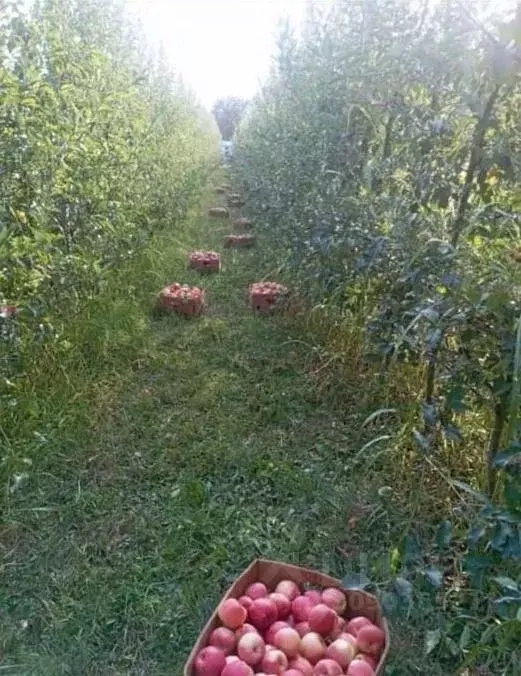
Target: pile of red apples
288,632
183,299
264,295
207,261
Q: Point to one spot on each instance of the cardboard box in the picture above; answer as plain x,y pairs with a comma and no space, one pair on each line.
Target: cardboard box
182,299
219,212
242,224
271,573
205,261
239,241
235,200
266,296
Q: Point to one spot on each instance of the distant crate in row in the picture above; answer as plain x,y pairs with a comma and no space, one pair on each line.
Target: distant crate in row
205,261
182,299
267,296
239,241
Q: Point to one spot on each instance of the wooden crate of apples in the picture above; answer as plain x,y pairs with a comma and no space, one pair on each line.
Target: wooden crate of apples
290,621
182,299
239,241
218,212
205,261
241,224
266,296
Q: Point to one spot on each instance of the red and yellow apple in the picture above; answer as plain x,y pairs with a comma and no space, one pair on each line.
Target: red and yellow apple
210,662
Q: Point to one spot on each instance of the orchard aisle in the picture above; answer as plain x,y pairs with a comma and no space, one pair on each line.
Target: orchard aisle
213,446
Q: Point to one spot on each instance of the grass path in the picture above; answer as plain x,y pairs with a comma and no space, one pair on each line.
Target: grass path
210,445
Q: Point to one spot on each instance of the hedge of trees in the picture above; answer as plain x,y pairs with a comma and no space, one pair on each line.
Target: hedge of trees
382,160
101,146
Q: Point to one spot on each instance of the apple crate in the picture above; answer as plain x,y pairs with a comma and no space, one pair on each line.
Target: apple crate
266,296
235,200
182,299
218,212
239,241
205,261
242,223
358,603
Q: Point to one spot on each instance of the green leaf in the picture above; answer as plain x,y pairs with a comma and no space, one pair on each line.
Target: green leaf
452,646
481,497
422,441
464,639
515,394
377,414
356,581
506,583
444,534
403,588
390,604
432,640
435,576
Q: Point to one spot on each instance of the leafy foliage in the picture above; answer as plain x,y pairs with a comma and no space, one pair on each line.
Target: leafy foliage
382,160
100,148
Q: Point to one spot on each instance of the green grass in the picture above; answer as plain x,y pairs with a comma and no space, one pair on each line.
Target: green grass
158,456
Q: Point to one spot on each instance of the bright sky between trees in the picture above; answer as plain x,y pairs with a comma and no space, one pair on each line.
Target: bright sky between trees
220,47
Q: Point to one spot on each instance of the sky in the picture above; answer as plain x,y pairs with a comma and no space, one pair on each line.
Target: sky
220,47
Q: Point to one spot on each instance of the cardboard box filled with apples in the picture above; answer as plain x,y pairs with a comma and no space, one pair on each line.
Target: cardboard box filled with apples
205,261
266,296
182,299
239,241
289,621
241,224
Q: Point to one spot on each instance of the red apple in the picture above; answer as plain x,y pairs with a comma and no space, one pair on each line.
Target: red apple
251,648
232,658
315,596
257,590
283,604
269,635
237,668
303,628
322,619
262,613
245,629
301,664
359,668
312,647
301,608
288,588
354,625
335,598
292,672
288,640
232,614
348,637
338,629
210,662
224,639
246,601
341,651
371,660
327,668
370,639
274,662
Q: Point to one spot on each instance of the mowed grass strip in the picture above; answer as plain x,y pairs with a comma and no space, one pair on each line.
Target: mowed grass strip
170,454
